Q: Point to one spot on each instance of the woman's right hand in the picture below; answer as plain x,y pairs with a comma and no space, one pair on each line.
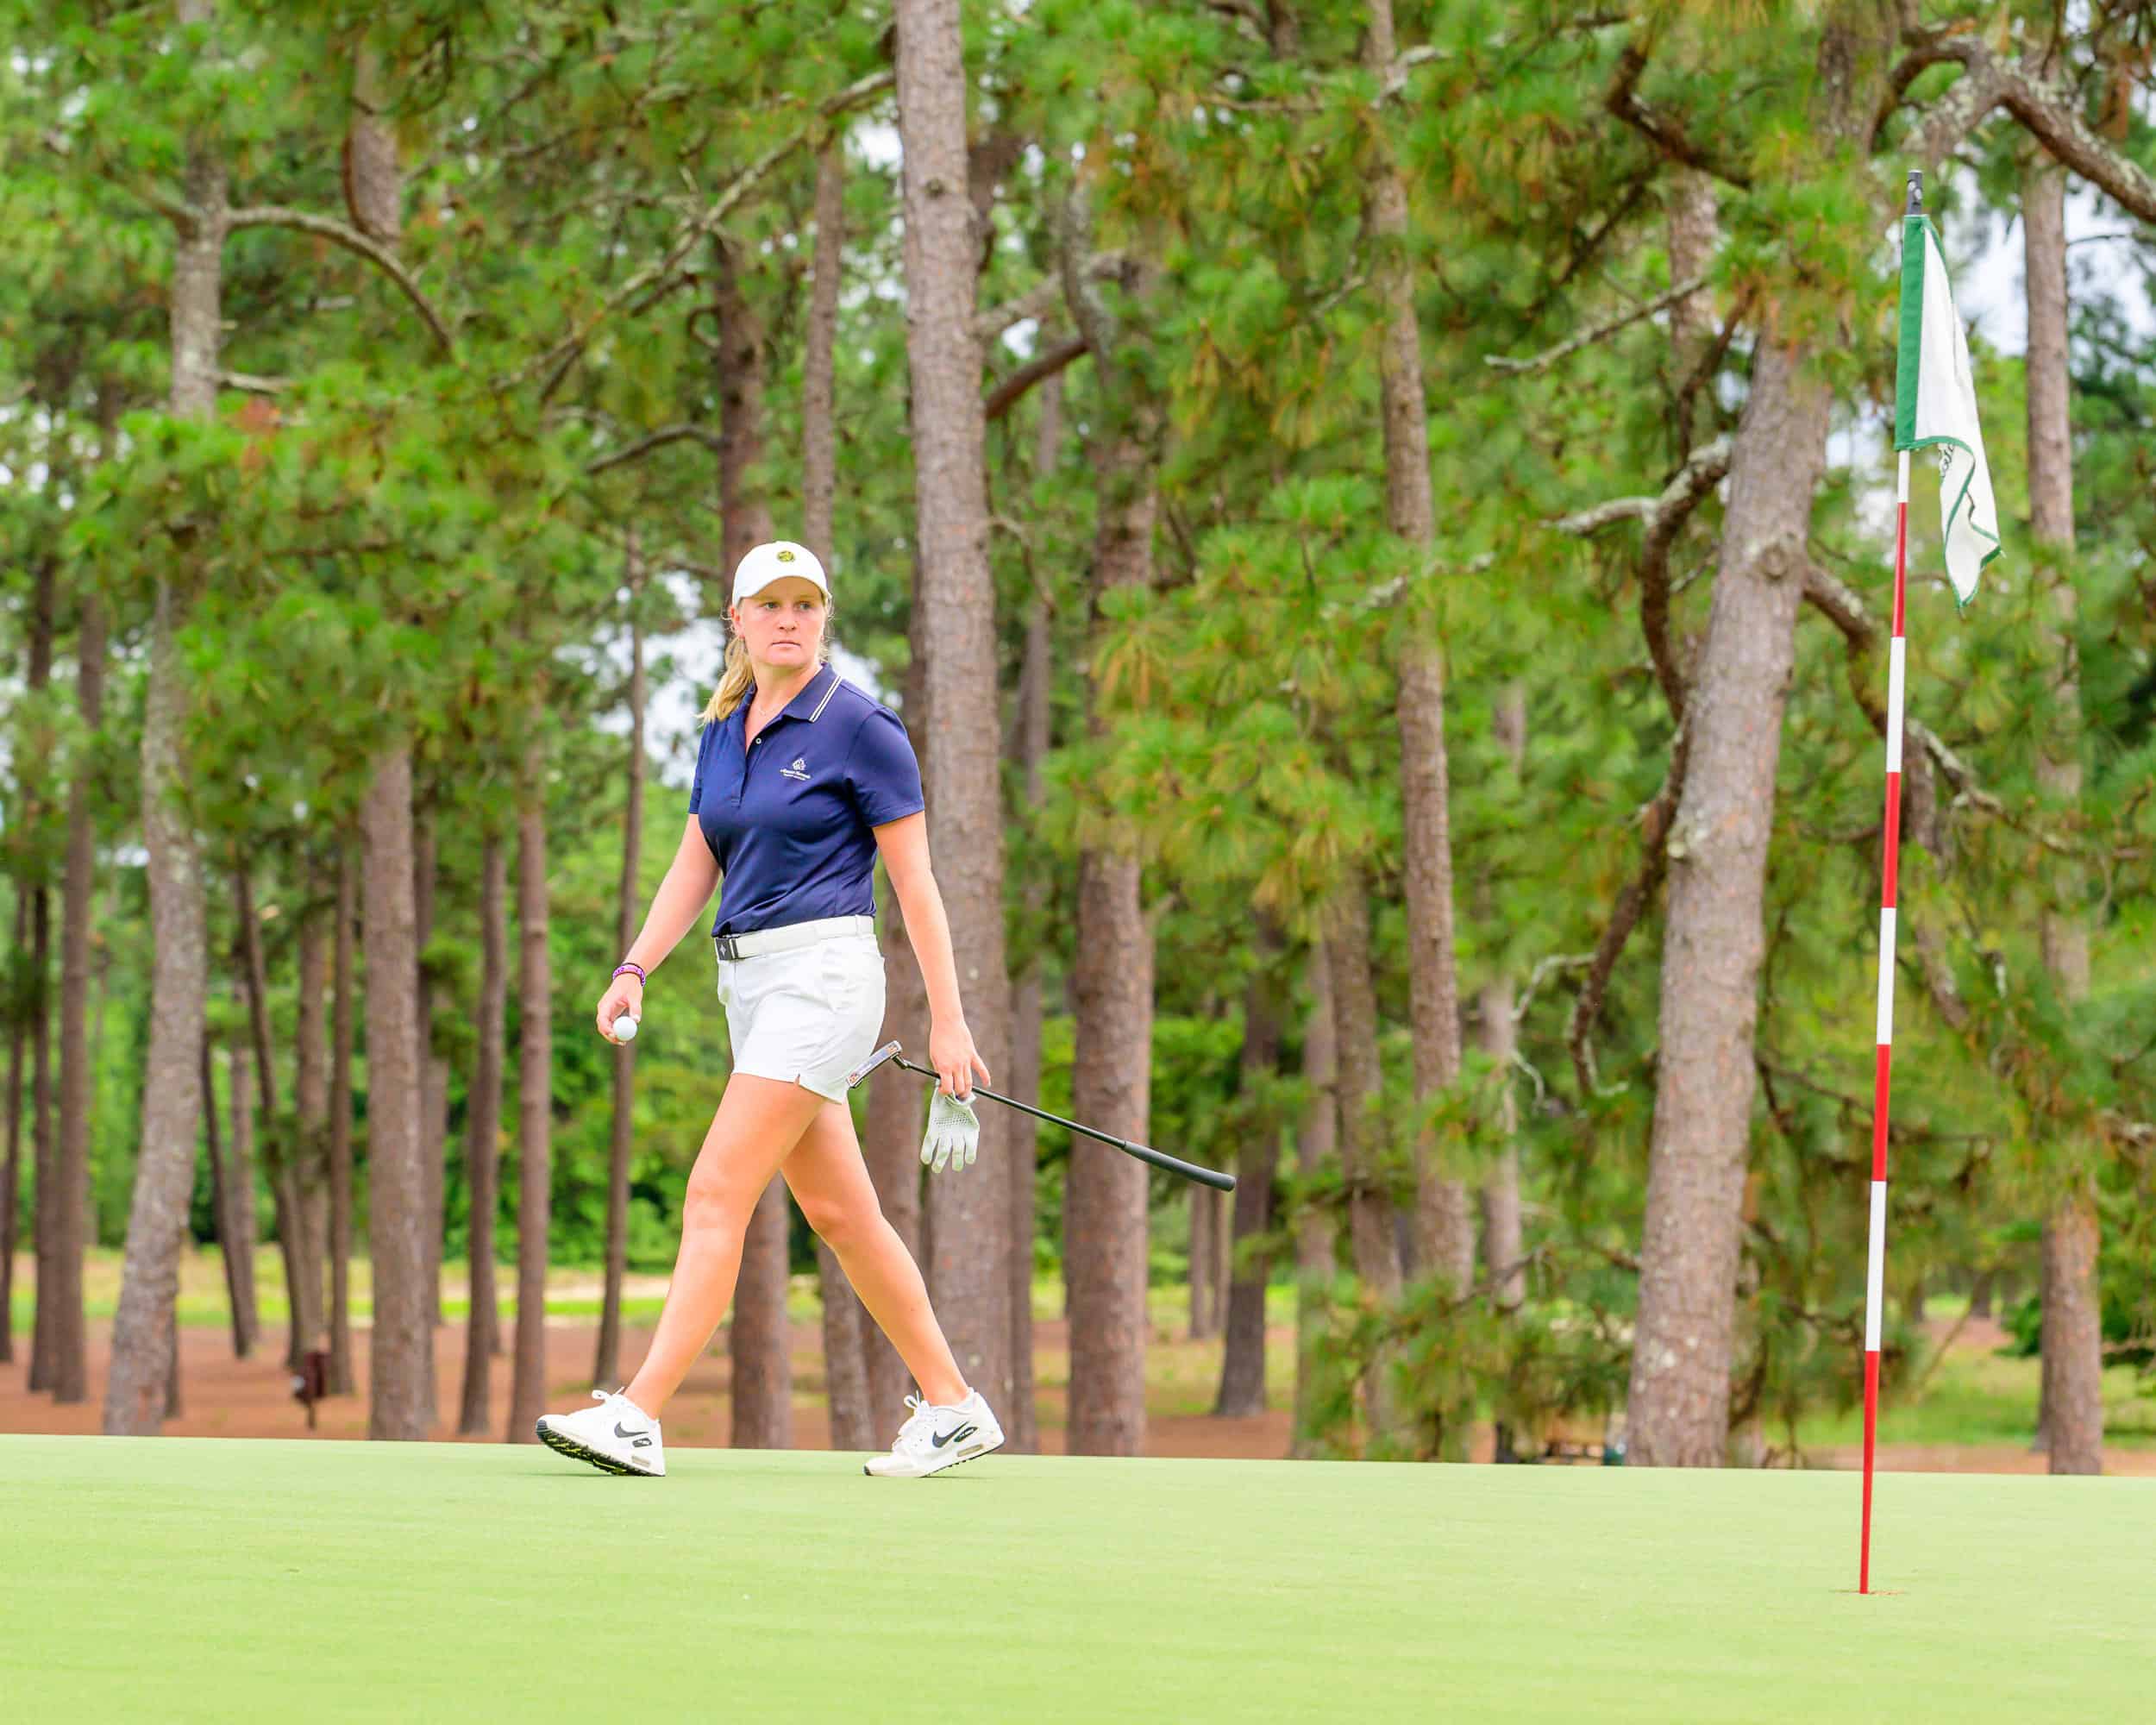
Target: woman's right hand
625,993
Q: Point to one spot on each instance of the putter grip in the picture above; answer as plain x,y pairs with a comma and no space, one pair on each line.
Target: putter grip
1189,1170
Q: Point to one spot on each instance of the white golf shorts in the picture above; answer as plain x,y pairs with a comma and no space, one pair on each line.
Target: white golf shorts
808,1014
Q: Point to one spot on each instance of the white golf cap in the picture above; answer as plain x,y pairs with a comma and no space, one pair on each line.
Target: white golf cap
775,562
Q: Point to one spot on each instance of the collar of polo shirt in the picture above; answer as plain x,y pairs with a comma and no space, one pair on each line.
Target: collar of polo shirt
808,704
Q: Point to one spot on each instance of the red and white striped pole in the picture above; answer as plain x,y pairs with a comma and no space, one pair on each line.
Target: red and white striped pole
1874,1274
1889,867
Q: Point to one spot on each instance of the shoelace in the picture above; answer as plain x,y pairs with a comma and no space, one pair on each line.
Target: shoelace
920,1421
606,1398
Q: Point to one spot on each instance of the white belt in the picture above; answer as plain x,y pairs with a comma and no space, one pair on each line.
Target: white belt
762,940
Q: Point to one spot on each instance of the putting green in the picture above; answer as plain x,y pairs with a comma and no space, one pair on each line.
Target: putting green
198,1579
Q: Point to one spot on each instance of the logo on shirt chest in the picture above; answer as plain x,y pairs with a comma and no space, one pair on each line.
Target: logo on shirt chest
798,770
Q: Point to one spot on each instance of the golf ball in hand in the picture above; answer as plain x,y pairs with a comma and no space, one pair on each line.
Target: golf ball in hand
624,1029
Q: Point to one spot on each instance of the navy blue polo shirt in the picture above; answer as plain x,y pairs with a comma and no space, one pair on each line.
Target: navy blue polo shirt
789,816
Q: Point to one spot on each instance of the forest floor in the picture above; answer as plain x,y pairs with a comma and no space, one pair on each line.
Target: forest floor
1975,1412
195,1579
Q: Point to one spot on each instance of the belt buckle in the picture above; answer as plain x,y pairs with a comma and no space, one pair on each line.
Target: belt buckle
728,948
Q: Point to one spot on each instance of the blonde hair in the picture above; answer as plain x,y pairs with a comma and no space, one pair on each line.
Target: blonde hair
738,680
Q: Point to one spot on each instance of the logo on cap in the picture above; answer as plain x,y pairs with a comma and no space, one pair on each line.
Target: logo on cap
786,556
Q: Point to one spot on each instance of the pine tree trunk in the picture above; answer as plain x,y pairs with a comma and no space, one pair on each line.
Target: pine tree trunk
606,1366
845,1356
1370,1210
401,1376
279,1157
310,1101
434,1072
1444,1227
1502,1242
534,1103
847,1325
238,1184
482,1143
757,1340
11,1179
400,1379
434,1152
1021,1426
44,1148
1104,1219
1503,1246
1444,1231
144,1340
762,1371
1105,1191
45,1372
1372,1236
1257,1160
1205,1260
1021,1422
969,1220
744,515
1316,1144
71,1344
1677,1407
239,1299
342,1378
819,425
1692,217
2072,1339
891,1144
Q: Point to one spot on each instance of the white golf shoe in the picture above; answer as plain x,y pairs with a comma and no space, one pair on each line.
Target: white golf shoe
934,1438
616,1437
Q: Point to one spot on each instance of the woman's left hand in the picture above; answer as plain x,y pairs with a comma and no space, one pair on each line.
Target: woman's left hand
957,1063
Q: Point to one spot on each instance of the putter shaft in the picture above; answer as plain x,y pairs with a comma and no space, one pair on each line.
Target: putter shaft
1189,1170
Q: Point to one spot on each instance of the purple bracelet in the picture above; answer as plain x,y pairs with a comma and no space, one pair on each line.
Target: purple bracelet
638,969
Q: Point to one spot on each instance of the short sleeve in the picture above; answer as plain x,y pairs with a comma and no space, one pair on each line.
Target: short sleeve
696,783
882,774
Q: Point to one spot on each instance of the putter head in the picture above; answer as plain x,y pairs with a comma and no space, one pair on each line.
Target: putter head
888,1051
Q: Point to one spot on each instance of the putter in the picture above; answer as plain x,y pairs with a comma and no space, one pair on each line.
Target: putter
1189,1170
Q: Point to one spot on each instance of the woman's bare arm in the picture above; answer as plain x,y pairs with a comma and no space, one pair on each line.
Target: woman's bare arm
903,847
679,900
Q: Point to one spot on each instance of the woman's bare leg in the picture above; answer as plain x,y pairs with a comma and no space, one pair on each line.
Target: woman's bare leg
830,1183
759,1122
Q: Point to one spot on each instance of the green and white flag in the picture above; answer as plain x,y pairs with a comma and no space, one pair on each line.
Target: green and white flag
1935,406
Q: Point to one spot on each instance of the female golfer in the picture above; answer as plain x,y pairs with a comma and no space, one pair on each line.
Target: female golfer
801,782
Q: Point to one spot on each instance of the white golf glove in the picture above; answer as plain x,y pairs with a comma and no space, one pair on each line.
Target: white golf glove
953,1137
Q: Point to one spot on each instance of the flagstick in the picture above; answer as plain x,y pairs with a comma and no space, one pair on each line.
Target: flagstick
1874,1276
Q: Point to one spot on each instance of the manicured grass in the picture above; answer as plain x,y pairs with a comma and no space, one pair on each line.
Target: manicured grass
185,1579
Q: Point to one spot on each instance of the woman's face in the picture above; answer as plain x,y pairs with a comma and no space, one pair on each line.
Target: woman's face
783,625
